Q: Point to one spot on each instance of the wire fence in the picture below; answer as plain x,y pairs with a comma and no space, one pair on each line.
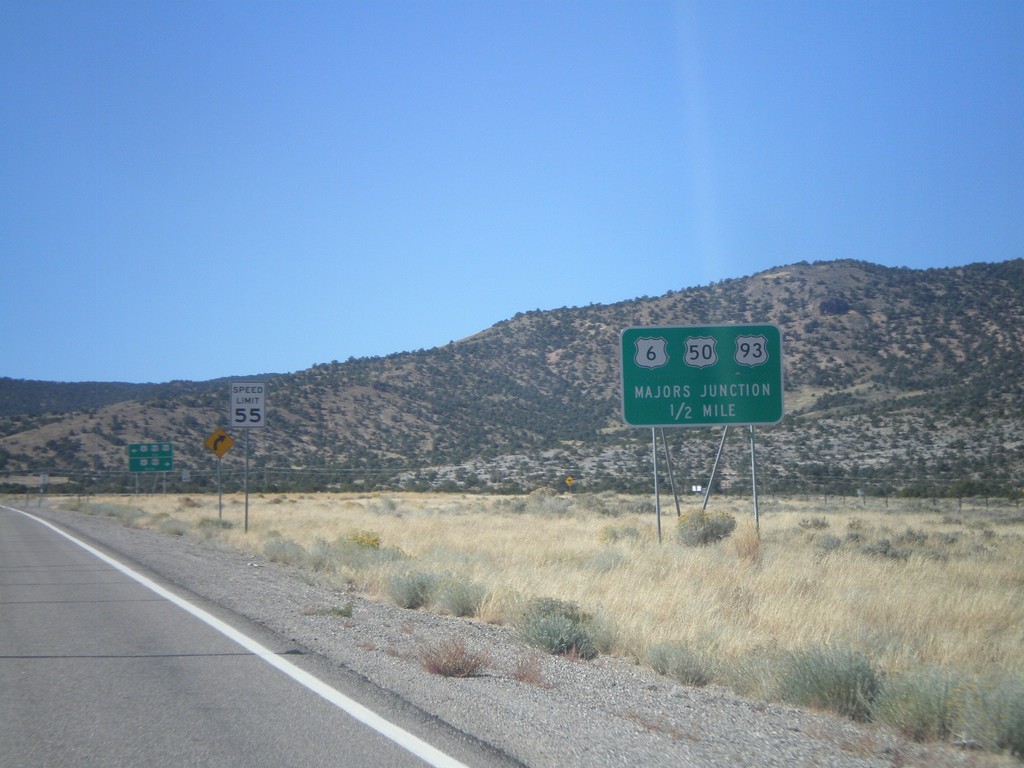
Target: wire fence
500,479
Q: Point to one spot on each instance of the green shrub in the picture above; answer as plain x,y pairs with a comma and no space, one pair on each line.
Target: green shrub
922,706
687,666
828,543
696,529
545,501
835,679
174,527
214,524
320,557
209,527
612,505
1007,706
994,715
560,627
359,554
814,523
754,673
281,550
910,537
461,598
414,589
345,612
885,548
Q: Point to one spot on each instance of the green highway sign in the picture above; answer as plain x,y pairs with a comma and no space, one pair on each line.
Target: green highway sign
151,457
699,376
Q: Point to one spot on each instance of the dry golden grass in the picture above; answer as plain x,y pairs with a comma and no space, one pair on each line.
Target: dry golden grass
955,601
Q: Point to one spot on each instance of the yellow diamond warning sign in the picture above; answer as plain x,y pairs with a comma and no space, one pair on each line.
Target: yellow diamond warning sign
219,442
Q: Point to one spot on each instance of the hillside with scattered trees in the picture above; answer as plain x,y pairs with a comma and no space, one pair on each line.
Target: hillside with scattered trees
897,381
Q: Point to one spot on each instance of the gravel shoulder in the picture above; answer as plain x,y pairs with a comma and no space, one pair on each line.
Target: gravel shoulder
538,709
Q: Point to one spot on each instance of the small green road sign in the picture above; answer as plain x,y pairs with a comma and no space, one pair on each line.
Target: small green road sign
699,376
151,457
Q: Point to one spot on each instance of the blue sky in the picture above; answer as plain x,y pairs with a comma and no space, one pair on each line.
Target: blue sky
191,190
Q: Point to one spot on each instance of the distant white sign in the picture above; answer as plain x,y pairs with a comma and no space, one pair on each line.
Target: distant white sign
248,404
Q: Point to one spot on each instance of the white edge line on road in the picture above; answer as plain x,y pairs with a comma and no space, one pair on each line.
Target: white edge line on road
386,728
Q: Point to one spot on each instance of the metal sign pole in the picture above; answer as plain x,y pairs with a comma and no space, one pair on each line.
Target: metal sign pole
220,496
671,478
714,468
246,481
220,443
753,482
657,497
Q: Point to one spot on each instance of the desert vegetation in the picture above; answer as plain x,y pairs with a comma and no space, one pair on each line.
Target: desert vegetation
896,384
906,613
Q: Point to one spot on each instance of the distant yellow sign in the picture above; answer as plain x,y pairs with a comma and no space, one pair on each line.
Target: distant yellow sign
570,480
219,442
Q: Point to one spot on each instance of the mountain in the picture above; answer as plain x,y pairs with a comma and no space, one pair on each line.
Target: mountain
21,397
896,380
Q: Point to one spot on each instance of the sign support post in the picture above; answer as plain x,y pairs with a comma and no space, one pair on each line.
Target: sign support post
246,481
714,468
671,478
220,443
753,482
657,497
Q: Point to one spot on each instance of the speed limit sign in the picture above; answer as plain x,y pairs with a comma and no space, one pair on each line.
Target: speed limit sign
248,404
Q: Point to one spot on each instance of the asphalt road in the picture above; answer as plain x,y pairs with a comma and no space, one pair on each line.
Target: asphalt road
98,669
